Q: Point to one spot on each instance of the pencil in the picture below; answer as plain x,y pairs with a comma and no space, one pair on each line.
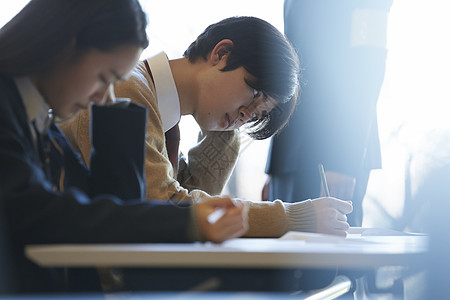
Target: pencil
323,179
216,215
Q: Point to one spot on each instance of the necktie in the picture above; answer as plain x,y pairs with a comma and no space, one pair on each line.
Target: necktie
52,158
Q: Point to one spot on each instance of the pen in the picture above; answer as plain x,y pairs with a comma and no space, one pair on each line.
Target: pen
323,179
216,215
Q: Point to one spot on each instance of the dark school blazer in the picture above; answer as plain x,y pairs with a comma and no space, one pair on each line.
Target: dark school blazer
88,210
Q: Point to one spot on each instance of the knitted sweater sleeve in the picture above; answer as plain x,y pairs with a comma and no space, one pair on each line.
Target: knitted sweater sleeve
210,162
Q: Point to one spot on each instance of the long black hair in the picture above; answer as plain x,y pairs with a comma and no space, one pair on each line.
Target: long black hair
36,38
267,55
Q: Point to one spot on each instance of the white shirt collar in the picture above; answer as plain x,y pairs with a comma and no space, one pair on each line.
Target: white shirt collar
37,109
166,90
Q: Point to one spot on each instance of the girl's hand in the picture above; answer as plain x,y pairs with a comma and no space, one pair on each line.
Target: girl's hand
230,223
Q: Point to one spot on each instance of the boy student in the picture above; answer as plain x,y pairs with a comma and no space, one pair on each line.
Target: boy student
57,57
241,70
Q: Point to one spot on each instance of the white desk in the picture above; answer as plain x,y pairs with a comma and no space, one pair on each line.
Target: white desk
299,250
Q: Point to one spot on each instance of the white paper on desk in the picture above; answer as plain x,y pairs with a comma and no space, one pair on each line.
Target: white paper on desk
310,237
260,244
376,232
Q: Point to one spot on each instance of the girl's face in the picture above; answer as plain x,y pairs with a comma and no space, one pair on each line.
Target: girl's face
226,101
76,84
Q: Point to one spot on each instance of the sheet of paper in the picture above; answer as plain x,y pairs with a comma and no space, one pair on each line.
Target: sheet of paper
310,237
376,232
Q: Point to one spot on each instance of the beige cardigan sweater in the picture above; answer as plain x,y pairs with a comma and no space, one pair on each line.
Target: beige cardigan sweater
210,164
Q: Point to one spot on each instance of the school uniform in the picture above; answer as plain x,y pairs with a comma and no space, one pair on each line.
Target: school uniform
60,200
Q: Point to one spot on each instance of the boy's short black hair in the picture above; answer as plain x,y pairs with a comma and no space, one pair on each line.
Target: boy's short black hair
267,55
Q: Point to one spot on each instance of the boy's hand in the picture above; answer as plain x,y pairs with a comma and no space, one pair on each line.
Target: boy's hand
331,215
217,227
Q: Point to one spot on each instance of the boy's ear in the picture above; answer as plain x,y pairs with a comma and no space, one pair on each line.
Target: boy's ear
219,51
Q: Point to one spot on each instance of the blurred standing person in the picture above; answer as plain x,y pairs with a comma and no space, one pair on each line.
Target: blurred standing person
342,45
